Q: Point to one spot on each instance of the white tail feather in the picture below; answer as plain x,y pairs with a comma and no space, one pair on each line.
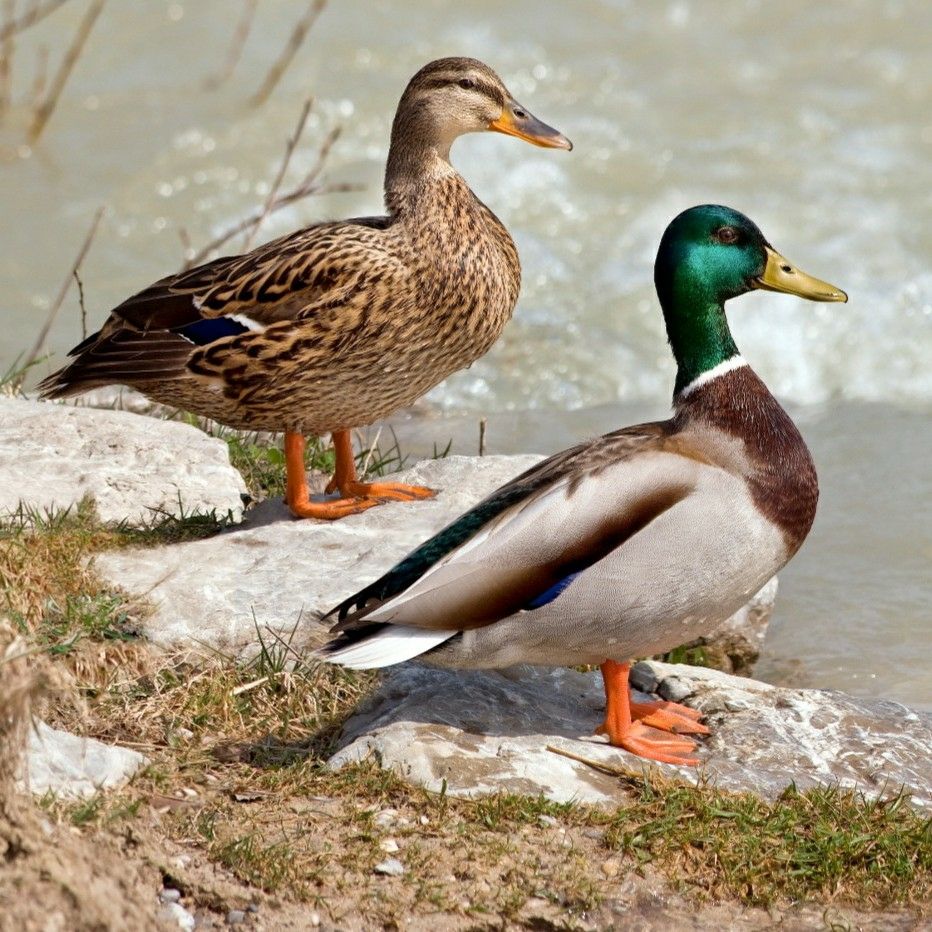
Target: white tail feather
393,644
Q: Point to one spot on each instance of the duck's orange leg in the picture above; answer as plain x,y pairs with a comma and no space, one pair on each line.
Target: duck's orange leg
296,492
346,480
636,736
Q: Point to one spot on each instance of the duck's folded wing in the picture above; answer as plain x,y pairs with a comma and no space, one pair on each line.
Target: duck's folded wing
531,549
278,281
230,304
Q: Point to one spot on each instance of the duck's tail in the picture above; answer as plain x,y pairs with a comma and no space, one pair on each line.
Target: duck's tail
380,644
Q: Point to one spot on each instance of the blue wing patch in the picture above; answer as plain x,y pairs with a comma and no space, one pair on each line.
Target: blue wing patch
202,332
548,595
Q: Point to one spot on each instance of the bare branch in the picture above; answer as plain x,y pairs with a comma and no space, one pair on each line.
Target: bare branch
7,50
37,12
308,186
80,284
280,174
237,44
39,345
295,41
45,110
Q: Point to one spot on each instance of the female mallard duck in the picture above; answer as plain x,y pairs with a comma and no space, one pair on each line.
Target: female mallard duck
342,323
631,544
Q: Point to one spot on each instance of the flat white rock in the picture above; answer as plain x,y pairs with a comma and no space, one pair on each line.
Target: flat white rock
74,767
52,455
481,732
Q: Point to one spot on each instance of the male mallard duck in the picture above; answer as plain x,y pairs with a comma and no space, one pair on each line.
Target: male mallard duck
341,323
630,544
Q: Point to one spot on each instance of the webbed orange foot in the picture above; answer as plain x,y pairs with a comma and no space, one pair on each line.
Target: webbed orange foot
653,744
641,737
382,491
669,716
330,511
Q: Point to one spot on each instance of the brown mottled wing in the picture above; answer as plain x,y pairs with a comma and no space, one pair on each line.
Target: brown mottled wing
580,505
277,281
291,278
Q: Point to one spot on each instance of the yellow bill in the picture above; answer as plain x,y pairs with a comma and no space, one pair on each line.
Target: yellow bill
780,275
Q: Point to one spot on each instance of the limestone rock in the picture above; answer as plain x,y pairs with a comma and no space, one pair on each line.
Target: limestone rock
52,455
67,765
274,570
480,732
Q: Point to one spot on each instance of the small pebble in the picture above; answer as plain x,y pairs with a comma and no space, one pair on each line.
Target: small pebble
386,817
391,867
184,733
252,908
236,917
170,895
423,820
178,916
643,677
314,919
547,820
611,867
389,845
674,689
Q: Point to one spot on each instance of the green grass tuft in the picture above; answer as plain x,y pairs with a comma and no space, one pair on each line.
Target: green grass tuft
825,842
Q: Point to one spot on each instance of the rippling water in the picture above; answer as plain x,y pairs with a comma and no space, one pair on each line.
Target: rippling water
815,119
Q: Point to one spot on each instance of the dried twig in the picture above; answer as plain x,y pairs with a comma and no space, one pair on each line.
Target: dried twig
246,687
280,174
602,766
237,44
305,188
7,49
45,110
295,41
39,345
483,423
37,12
80,284
372,448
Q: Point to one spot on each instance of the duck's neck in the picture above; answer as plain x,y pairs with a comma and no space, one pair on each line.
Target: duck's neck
418,158
699,335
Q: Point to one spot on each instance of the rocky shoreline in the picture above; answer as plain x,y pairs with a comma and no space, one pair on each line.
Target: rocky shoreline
267,577
272,574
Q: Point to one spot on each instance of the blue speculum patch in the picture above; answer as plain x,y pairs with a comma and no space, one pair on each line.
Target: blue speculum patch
548,595
203,332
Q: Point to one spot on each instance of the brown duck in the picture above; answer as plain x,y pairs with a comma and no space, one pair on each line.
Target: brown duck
341,323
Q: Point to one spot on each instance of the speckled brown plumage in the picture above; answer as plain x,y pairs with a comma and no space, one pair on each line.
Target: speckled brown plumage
351,320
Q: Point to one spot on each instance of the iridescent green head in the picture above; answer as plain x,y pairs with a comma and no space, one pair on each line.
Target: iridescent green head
707,255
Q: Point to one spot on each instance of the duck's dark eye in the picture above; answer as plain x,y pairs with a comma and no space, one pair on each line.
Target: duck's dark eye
466,83
726,235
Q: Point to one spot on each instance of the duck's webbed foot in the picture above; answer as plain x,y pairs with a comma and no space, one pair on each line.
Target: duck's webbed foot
642,737
669,716
347,482
355,497
381,491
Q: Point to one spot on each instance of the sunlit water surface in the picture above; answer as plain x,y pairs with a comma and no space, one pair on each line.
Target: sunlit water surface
816,119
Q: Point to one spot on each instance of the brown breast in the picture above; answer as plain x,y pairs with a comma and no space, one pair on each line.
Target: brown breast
780,473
